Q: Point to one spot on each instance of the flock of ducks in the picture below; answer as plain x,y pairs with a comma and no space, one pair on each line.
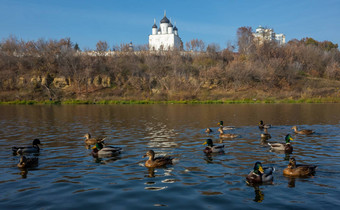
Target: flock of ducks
258,175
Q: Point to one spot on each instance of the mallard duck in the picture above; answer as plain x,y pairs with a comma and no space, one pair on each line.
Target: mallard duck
211,148
208,130
260,175
265,135
28,149
287,147
226,135
92,141
298,170
100,151
302,131
27,162
225,127
153,162
262,125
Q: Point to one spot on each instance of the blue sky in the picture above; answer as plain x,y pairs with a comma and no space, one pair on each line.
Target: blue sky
121,21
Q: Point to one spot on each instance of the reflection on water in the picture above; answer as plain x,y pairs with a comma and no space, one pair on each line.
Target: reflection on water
66,167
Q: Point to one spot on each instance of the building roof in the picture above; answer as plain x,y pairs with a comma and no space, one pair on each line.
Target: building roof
154,26
175,28
170,25
165,20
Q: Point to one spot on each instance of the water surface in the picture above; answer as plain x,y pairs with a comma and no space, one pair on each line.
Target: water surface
69,177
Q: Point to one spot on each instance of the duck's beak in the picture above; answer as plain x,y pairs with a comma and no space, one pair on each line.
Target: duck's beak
291,139
94,147
144,156
204,143
261,169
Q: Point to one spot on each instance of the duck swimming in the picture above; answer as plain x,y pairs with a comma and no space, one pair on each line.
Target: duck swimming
226,135
100,151
262,125
153,162
265,135
27,162
287,147
260,175
92,141
211,148
298,170
302,131
225,127
27,149
208,130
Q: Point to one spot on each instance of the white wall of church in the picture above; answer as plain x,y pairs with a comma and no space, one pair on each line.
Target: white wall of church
164,42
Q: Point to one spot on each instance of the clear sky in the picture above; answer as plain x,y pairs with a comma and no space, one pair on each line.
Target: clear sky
121,21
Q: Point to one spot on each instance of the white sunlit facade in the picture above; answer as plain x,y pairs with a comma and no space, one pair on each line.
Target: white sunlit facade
267,34
165,37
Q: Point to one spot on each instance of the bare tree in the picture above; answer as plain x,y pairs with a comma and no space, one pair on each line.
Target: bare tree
245,40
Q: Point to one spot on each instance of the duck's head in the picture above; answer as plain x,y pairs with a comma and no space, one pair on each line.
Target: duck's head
98,146
36,142
209,142
208,130
87,136
288,138
220,123
149,153
294,127
261,122
258,168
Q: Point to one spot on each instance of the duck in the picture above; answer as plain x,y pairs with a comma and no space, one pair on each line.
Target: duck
226,135
265,135
260,175
153,162
98,150
262,125
92,141
298,170
208,130
225,127
211,148
27,149
27,162
302,131
287,147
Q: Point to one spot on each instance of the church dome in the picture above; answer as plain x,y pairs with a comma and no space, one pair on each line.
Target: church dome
175,28
165,20
154,26
170,25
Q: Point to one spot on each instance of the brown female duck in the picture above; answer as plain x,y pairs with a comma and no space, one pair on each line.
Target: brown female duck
226,135
298,170
92,141
265,135
208,130
153,162
302,131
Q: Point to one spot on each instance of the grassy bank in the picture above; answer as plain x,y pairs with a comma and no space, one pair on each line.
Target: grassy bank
242,101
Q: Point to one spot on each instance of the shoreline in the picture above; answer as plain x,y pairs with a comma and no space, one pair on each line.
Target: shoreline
241,101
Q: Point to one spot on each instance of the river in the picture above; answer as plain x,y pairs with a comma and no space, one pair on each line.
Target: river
68,177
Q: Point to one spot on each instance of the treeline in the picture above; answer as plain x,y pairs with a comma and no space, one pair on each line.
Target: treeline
57,70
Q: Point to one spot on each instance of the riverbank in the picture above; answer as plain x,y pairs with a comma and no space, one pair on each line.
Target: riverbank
244,101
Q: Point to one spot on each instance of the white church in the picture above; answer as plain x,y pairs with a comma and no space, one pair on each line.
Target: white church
165,37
